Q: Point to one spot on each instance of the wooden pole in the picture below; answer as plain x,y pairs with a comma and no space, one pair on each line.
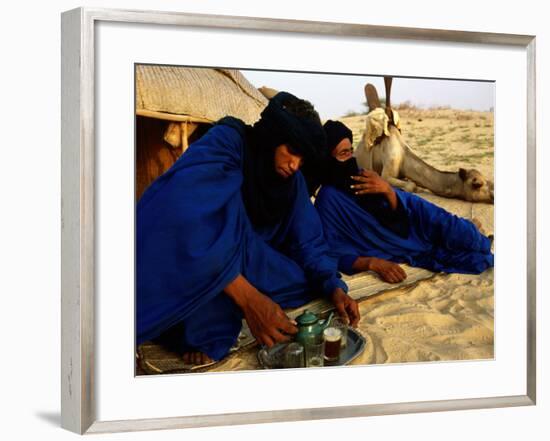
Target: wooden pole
387,83
184,137
171,116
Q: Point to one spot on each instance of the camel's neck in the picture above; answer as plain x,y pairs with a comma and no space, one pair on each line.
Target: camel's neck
448,184
363,155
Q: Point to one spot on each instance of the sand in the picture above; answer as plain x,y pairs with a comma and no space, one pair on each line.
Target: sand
448,317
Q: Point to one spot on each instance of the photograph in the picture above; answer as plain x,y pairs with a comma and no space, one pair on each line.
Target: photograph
288,220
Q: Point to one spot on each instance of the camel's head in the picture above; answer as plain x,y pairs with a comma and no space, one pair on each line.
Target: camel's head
476,187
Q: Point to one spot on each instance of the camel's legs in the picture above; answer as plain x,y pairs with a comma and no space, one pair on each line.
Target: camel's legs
400,183
390,170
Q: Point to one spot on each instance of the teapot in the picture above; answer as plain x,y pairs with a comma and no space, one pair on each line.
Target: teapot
310,327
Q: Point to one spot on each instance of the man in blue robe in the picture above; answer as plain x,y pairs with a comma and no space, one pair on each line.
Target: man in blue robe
369,225
229,232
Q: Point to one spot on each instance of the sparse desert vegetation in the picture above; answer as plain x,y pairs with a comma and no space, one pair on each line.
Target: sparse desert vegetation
445,138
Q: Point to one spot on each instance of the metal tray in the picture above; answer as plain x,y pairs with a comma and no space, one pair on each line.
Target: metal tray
273,358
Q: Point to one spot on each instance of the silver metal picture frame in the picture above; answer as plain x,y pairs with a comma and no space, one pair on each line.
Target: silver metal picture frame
78,388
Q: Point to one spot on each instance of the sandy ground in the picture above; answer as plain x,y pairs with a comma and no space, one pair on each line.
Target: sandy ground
445,138
448,317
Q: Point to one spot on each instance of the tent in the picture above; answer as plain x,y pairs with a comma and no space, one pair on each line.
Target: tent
176,105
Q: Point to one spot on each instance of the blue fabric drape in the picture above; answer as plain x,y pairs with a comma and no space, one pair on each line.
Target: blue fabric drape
437,240
194,237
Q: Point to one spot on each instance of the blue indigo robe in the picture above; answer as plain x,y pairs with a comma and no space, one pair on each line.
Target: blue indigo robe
193,237
437,240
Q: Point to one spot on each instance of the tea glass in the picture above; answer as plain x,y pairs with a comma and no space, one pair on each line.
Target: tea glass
340,323
294,356
315,352
333,343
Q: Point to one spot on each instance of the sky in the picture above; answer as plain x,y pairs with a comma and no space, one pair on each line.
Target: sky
335,95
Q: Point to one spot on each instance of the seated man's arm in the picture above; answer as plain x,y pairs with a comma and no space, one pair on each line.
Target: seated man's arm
310,250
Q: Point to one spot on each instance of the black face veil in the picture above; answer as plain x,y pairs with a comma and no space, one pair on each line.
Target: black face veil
327,170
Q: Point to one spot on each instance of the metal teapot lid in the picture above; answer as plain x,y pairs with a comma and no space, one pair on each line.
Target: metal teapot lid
306,318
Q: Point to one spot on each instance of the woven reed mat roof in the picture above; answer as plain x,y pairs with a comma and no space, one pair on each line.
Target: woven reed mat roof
198,92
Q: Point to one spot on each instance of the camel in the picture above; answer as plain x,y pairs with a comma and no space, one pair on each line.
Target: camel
383,149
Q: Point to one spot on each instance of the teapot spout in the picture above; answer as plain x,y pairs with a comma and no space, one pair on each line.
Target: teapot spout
324,323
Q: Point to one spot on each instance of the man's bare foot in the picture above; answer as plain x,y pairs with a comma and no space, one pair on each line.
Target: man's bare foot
196,358
388,271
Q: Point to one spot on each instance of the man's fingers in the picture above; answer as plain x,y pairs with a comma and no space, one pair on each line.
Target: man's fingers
354,314
361,180
368,172
368,187
366,191
398,276
278,337
341,308
365,187
288,327
364,183
267,340
397,268
399,273
285,324
394,274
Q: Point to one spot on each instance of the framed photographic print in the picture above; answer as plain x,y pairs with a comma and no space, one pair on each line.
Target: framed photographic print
232,187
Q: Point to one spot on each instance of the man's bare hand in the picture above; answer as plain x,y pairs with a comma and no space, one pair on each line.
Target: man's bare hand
388,271
370,182
346,307
267,321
